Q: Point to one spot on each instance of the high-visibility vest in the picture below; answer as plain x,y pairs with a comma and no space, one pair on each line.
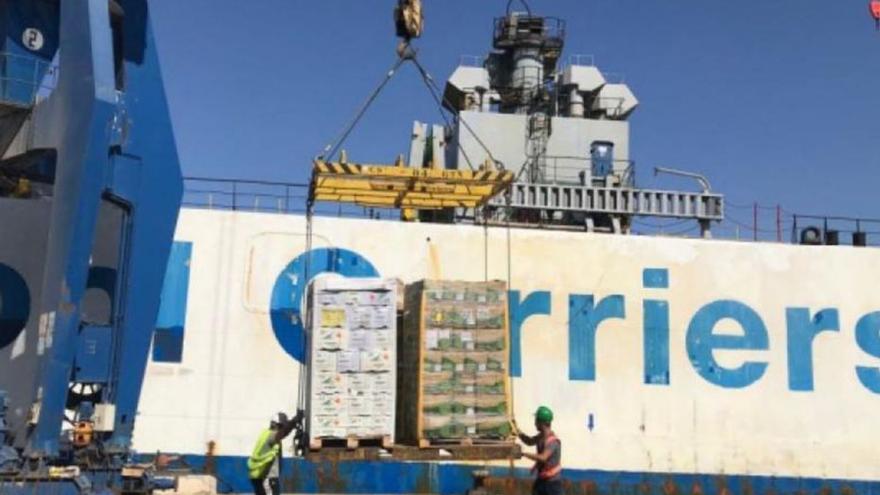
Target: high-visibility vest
263,456
547,470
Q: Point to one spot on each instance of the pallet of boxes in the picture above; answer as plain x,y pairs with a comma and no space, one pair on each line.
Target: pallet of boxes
454,357
353,354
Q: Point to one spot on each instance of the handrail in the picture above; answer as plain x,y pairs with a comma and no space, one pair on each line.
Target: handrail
23,77
290,197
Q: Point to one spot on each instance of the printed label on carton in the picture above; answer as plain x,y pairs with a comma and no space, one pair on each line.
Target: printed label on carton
331,338
327,404
382,318
381,424
357,406
328,299
470,318
348,361
332,317
384,338
383,382
330,382
378,298
329,426
432,339
380,360
360,316
358,421
360,383
324,361
362,340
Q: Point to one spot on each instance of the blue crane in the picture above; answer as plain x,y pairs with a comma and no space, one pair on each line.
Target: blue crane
87,148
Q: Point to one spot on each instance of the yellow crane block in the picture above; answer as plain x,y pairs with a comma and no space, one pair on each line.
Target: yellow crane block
397,186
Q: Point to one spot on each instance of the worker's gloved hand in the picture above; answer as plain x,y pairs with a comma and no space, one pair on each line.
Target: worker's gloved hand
518,453
300,417
285,426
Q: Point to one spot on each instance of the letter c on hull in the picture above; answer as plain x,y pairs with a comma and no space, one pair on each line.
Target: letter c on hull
287,295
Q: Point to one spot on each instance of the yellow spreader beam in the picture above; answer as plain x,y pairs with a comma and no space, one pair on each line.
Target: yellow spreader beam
398,186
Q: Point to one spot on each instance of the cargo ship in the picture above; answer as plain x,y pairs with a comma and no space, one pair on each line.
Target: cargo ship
673,365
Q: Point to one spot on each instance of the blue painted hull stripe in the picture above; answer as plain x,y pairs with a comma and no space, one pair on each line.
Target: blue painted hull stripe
394,477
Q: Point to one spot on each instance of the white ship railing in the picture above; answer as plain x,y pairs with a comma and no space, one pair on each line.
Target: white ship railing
742,222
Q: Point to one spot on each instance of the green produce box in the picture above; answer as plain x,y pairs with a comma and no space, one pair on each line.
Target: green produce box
453,382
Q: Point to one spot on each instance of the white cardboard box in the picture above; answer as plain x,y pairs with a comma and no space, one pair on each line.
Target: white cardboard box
377,361
326,405
361,340
333,339
323,361
360,384
353,348
331,383
348,361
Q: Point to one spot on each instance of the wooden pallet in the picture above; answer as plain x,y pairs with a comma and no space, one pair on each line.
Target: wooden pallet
460,452
491,452
452,443
351,443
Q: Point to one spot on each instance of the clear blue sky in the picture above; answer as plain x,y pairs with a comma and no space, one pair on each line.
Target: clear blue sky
776,101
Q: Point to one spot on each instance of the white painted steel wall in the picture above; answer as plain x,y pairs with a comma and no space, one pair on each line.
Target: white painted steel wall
235,376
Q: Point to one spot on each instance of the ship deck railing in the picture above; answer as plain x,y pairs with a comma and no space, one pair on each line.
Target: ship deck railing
742,222
25,80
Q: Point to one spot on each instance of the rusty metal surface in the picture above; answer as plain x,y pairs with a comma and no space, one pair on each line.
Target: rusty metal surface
449,478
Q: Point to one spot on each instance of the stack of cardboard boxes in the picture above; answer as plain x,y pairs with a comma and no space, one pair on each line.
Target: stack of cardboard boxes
353,336
454,355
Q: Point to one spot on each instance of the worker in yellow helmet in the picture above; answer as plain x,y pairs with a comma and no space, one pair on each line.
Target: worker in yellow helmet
264,463
548,459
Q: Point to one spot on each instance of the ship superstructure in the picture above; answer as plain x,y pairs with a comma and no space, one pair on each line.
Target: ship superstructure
564,132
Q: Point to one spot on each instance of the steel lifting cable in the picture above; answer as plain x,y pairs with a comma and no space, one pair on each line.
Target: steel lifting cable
331,149
406,54
435,90
303,376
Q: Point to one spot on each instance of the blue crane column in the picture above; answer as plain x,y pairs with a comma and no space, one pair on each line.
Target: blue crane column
106,129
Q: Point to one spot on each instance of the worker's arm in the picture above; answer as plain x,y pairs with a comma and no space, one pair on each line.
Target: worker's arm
522,436
543,457
285,429
527,439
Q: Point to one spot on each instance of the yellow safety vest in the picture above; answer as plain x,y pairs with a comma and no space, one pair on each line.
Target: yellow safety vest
263,456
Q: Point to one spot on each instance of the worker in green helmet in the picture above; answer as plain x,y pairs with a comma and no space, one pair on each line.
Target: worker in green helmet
548,459
264,463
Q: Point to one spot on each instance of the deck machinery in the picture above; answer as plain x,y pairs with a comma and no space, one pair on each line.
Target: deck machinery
87,150
563,132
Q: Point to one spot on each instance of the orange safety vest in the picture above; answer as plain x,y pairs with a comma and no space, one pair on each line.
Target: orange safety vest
546,470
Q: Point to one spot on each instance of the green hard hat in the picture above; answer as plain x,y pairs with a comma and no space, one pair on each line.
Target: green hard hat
544,414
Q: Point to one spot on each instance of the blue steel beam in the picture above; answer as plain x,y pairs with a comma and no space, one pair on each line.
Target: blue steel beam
82,108
147,178
119,145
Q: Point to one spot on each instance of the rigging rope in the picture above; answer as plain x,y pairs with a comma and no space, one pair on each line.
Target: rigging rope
303,368
434,90
333,147
408,54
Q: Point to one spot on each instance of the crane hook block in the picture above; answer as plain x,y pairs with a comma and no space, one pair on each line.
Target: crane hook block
875,11
408,19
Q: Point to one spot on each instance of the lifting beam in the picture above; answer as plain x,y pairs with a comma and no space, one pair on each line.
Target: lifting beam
399,186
